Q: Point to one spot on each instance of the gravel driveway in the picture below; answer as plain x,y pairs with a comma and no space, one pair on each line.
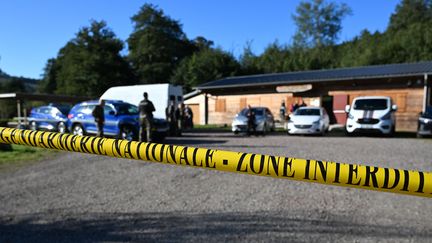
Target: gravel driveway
87,198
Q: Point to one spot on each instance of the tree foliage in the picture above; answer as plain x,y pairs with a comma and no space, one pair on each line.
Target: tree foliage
157,45
318,22
160,52
203,66
88,64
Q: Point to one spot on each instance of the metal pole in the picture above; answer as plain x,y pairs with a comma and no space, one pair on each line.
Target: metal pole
425,92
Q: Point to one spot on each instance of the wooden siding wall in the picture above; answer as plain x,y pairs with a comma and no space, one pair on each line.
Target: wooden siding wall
235,103
409,102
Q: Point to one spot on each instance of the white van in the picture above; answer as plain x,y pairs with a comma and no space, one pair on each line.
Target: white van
371,114
159,94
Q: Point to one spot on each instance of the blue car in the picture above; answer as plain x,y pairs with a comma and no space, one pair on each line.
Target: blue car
51,118
121,120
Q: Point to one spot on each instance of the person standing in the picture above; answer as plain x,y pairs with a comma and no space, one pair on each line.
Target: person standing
282,111
99,116
250,121
170,113
180,118
146,109
189,117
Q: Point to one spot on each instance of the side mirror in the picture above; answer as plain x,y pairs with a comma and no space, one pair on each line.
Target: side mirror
394,107
347,108
112,113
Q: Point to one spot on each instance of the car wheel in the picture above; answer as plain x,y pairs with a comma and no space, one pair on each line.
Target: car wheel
126,133
77,129
264,129
323,131
33,126
61,127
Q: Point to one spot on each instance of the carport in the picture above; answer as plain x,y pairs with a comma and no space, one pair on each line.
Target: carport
20,98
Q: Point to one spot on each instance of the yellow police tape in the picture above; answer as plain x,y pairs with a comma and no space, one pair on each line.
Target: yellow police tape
348,175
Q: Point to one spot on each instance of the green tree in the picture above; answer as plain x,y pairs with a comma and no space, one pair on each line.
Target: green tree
88,64
157,45
204,66
409,12
249,61
49,82
318,23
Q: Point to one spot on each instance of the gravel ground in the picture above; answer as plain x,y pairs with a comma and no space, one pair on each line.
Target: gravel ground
87,198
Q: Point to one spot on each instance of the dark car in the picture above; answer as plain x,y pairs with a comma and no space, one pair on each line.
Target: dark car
51,117
121,120
424,127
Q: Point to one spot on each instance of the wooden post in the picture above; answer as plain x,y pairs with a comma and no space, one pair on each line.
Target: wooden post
19,113
205,109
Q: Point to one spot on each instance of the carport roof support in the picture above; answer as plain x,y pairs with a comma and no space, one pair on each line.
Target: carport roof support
43,97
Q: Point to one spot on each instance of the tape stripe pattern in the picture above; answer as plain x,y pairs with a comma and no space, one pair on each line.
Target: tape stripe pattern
409,182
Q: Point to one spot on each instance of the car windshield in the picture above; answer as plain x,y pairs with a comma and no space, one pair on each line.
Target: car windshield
64,109
307,112
126,109
258,112
370,104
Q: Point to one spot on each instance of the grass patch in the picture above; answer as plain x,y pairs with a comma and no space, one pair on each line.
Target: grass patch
213,126
22,155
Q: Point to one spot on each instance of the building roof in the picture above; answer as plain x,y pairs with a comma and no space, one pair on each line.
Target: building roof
315,76
43,97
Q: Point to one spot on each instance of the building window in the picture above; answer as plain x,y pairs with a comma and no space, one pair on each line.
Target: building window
220,105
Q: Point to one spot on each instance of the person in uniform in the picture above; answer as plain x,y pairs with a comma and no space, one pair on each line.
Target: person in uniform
99,116
146,109
251,121
180,118
188,117
170,113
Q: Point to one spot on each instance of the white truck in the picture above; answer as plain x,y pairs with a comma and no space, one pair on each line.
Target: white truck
371,114
159,94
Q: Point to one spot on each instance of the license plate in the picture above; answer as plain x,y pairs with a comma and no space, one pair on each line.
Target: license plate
366,126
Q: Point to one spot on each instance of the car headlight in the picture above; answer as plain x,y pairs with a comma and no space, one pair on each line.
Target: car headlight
316,122
350,116
424,120
386,116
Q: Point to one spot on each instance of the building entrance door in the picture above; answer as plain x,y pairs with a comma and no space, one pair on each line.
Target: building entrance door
339,103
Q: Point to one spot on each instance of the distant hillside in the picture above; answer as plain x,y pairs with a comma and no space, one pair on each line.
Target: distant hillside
16,84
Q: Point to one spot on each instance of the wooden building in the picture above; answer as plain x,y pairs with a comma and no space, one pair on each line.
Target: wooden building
407,84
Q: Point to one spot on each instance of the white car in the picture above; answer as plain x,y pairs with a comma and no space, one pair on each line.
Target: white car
371,114
264,121
308,120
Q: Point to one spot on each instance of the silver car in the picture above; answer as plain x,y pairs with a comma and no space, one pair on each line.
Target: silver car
308,120
264,121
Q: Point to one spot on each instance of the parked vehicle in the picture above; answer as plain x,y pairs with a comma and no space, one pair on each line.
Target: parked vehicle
371,114
264,121
308,120
51,118
424,127
159,94
121,120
